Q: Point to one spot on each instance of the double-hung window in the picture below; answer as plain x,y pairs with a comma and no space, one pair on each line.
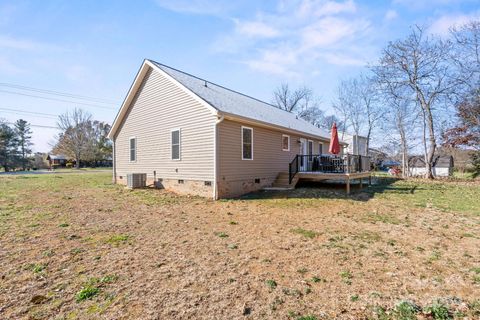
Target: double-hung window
133,149
285,142
247,143
175,144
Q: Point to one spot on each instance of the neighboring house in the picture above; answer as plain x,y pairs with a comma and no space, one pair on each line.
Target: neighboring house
356,144
442,166
197,137
390,163
377,157
56,160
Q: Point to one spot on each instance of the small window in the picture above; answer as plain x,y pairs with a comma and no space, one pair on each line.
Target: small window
247,143
208,183
181,181
175,144
320,148
285,142
133,149
257,180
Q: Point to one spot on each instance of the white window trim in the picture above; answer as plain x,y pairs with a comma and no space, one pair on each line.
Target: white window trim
283,136
179,144
241,146
130,149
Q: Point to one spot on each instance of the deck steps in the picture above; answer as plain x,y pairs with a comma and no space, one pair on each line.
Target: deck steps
281,182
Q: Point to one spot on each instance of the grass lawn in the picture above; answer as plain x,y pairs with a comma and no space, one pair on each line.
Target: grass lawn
74,246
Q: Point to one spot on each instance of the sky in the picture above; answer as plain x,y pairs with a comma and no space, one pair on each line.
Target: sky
58,55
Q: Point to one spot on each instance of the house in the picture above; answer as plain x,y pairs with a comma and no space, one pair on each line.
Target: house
442,166
56,160
193,136
356,144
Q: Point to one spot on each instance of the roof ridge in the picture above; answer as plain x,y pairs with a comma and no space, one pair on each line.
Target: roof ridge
223,87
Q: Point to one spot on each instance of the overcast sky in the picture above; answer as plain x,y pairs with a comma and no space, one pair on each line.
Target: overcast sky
94,48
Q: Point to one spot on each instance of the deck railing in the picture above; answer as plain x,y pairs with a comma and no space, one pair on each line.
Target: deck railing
328,164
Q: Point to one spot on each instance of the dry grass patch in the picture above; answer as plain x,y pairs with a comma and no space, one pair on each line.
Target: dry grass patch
74,246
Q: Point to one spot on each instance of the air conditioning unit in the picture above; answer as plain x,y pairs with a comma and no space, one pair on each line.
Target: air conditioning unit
136,180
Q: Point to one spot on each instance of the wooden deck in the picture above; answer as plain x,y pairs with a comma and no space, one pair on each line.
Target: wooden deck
282,181
347,177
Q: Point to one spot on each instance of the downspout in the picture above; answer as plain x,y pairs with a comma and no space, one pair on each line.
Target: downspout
114,158
220,118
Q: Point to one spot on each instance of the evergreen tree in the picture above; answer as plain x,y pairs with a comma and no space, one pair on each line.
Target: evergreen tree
8,147
24,136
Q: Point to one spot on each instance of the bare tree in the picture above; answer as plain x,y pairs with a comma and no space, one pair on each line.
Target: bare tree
401,119
312,114
465,55
291,100
328,121
357,104
419,65
76,137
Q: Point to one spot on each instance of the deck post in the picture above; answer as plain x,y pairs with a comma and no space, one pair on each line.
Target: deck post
361,183
348,185
370,179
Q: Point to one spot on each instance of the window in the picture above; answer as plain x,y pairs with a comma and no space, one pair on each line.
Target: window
175,144
247,143
285,142
133,149
320,148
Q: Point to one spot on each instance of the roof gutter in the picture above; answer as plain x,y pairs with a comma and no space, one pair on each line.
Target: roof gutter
238,118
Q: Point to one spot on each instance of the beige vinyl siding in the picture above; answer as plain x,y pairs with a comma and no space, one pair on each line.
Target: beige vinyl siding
268,157
159,107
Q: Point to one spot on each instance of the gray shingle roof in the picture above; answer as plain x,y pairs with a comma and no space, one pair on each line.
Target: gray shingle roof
235,103
57,157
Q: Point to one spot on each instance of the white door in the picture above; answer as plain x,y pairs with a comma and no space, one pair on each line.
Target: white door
303,152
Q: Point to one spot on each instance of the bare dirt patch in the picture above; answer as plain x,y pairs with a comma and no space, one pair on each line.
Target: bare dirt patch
77,247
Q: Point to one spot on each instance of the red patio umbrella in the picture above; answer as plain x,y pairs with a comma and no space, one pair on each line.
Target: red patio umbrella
334,144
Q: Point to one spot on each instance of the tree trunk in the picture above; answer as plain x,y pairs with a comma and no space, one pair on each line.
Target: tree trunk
77,162
403,142
433,145
24,167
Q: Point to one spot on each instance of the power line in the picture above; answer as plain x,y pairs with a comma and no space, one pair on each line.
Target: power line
59,93
61,100
16,111
36,125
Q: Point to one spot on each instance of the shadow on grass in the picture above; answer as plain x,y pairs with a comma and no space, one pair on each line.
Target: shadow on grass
336,190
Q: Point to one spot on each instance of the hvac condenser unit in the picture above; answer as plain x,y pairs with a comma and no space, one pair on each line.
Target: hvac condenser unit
136,180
